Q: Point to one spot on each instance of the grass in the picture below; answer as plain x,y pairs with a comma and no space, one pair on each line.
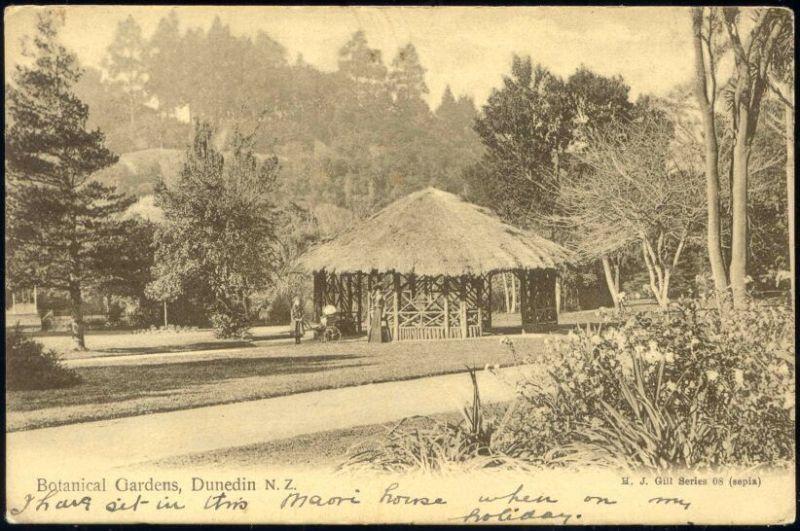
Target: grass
122,342
266,371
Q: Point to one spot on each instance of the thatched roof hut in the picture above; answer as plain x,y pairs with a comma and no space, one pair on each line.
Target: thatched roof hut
432,232
433,255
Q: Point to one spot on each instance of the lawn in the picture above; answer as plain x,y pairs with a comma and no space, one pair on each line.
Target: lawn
266,371
124,342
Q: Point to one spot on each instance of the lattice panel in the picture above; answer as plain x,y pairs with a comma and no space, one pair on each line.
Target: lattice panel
428,307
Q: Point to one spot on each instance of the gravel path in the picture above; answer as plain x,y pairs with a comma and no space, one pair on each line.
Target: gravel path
131,440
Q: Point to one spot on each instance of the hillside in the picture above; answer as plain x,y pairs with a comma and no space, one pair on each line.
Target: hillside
136,172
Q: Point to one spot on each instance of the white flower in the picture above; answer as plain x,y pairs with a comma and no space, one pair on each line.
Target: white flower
712,375
738,376
596,340
788,400
669,357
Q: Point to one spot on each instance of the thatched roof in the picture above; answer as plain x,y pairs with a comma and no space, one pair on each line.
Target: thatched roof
432,232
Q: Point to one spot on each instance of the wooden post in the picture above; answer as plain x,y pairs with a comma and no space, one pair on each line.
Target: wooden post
489,305
165,314
317,295
558,295
462,300
446,293
350,295
359,308
523,302
479,302
396,307
35,303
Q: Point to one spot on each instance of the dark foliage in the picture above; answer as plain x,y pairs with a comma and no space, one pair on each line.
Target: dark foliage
30,367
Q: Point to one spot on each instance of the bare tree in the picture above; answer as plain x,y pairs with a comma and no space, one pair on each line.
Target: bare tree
639,190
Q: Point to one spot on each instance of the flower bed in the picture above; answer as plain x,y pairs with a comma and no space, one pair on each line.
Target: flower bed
688,388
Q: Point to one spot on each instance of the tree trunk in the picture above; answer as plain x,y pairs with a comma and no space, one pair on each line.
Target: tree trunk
741,155
505,290
789,123
513,292
76,311
612,281
713,230
659,278
664,302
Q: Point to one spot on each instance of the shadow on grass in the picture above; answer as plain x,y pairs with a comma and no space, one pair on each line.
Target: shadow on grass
129,382
167,349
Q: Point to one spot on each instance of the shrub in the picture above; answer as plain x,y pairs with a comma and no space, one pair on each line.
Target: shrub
30,367
228,324
688,388
426,444
115,313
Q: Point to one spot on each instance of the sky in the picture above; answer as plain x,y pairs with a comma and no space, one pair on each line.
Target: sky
469,48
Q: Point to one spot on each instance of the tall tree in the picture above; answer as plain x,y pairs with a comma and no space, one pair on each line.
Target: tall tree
166,65
782,85
705,28
457,143
361,63
524,126
598,101
127,65
218,236
752,57
407,76
57,217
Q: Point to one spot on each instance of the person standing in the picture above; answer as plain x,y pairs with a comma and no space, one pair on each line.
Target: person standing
376,318
297,320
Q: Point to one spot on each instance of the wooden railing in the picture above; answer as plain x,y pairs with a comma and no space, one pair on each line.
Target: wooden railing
436,332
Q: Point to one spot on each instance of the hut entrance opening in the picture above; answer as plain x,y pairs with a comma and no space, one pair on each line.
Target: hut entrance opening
435,306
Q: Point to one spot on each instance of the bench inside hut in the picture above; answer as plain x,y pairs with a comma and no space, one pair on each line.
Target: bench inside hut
433,256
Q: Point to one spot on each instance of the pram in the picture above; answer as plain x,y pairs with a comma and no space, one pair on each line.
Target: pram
333,324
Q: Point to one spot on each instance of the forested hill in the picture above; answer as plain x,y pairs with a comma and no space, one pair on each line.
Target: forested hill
356,137
137,172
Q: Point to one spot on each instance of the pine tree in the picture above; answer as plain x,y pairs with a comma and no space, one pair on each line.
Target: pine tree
126,63
58,220
165,64
407,77
361,63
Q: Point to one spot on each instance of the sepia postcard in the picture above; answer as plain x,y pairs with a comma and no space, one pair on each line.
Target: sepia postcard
449,265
